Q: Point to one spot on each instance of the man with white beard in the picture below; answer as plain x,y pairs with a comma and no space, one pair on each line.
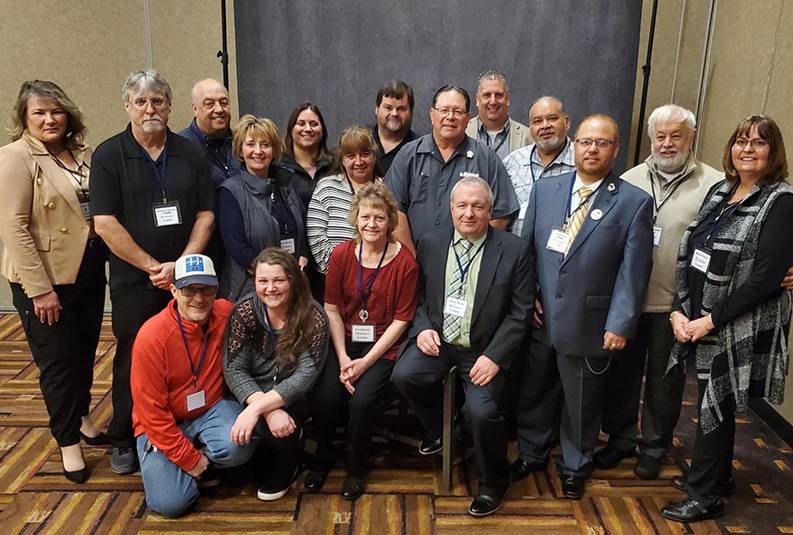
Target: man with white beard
551,154
678,184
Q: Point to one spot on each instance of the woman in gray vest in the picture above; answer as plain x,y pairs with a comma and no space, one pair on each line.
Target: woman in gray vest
258,208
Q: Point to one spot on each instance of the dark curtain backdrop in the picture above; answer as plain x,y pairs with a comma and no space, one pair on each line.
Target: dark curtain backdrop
337,53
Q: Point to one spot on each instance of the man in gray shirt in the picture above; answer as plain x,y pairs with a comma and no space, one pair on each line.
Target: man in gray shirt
425,171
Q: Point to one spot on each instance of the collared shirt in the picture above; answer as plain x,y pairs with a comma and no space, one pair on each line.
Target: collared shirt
123,184
498,143
575,198
217,151
469,288
384,159
422,182
525,167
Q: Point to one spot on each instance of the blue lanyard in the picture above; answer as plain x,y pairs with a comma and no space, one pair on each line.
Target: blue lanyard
159,173
464,270
367,292
196,369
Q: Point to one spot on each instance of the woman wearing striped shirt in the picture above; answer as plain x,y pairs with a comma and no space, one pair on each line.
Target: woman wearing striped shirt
327,223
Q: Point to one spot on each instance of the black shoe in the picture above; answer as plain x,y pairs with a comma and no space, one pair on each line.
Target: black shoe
99,440
314,479
124,460
209,479
572,486
647,467
609,457
487,504
725,489
352,488
431,446
522,468
693,510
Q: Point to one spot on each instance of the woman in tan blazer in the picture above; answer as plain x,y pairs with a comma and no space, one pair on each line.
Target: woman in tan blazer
53,260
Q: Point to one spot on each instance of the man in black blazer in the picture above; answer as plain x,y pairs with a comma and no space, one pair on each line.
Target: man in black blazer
476,293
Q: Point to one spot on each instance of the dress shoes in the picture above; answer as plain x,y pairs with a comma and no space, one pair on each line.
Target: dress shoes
693,510
727,488
609,457
76,476
431,446
99,440
647,467
522,468
352,488
572,486
487,503
314,480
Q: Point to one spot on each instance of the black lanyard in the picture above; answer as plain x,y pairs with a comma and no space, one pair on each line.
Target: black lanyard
366,290
214,155
567,213
464,270
159,172
656,205
195,368
77,176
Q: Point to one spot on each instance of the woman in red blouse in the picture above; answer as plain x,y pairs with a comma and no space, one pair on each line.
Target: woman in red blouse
370,299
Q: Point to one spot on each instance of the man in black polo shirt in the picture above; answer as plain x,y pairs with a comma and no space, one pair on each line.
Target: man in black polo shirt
394,114
152,200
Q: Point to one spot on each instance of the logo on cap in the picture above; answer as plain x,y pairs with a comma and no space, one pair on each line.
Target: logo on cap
193,263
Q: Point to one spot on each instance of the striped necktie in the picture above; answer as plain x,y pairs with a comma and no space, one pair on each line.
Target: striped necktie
579,216
452,325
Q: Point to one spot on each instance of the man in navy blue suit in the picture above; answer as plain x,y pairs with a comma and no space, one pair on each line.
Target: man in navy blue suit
592,237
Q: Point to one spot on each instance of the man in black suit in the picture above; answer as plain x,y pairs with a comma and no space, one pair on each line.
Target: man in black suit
473,311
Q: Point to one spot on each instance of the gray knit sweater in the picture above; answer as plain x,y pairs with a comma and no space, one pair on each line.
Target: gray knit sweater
249,363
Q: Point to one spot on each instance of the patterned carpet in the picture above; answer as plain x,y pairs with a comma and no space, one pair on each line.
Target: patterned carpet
402,493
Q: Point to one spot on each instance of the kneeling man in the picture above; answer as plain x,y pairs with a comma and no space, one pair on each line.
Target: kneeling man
473,312
182,420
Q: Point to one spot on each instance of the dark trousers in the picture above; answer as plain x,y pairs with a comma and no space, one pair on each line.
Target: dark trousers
418,379
663,393
539,401
711,460
276,459
64,352
364,407
131,308
583,386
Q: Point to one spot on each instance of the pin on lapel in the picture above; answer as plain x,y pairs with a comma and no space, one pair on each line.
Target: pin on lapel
469,154
610,187
597,213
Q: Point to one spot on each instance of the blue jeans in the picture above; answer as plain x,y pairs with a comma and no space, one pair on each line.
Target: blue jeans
169,489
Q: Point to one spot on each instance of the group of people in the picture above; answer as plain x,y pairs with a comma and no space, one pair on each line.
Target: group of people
259,280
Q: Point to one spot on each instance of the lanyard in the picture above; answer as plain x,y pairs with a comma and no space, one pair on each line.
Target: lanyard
196,369
363,290
215,156
160,176
464,270
545,167
76,175
656,205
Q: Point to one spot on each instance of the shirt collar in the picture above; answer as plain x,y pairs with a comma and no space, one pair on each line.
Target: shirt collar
504,129
476,243
565,156
578,184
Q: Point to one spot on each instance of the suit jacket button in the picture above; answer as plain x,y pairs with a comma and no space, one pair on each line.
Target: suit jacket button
39,181
51,205
64,230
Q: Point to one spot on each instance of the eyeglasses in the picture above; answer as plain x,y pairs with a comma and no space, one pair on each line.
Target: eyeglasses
756,143
456,113
192,291
599,143
157,103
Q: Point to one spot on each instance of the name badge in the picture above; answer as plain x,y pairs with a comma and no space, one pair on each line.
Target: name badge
86,209
523,207
657,235
289,245
455,307
558,241
701,260
196,400
167,214
363,332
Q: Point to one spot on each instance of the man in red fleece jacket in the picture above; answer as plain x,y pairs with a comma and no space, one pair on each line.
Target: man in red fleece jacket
182,420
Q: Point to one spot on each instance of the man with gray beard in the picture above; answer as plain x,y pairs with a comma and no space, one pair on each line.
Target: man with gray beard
678,184
551,154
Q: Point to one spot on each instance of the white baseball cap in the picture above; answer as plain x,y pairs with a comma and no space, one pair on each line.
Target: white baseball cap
195,269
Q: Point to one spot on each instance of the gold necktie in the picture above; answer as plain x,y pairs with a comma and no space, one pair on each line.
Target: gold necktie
578,217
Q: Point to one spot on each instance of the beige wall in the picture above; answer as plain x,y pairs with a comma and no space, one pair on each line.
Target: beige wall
89,47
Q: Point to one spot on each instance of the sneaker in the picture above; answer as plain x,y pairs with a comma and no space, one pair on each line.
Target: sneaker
124,460
209,479
270,495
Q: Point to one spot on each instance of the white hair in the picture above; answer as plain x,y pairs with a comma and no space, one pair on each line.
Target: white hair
671,113
472,179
